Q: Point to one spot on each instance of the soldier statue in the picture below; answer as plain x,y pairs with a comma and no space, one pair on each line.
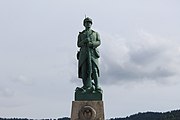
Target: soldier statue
88,66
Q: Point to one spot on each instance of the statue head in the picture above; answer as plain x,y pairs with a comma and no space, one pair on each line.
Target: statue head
87,22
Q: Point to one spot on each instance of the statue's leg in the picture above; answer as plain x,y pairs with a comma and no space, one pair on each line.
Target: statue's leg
95,76
84,75
86,82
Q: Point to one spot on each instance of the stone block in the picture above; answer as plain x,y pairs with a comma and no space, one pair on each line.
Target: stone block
87,110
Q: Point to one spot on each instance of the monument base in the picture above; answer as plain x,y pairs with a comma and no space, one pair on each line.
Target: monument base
87,110
95,96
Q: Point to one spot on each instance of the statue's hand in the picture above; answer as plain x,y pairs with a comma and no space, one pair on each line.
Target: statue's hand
90,44
85,42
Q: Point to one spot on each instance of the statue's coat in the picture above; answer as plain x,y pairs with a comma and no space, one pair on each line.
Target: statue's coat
83,53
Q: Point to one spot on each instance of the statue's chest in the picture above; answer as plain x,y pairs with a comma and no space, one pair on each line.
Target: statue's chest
91,36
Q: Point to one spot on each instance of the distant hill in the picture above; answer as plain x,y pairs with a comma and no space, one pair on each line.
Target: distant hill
172,115
64,118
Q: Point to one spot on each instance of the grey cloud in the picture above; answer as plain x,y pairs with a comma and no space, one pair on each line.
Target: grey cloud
116,73
144,56
144,59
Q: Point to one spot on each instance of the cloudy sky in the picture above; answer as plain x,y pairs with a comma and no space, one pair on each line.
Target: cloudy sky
140,55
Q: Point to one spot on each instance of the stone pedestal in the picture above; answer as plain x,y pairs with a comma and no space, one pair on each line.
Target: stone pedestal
87,110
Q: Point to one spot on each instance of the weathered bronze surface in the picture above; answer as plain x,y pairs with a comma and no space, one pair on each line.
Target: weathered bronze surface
88,65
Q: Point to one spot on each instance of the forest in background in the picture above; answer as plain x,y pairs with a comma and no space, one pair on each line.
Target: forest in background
171,115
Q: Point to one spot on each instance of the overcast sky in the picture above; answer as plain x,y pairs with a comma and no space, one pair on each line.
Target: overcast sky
140,55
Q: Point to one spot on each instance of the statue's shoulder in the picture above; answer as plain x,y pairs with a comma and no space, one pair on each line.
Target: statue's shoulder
95,32
82,32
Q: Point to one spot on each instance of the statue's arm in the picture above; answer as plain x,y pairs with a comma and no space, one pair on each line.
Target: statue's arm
80,42
97,42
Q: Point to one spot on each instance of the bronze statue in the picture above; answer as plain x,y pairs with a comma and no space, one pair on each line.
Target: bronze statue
88,66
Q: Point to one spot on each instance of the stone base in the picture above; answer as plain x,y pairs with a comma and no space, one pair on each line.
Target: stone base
87,110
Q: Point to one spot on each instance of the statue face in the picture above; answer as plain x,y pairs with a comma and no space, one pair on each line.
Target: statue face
87,24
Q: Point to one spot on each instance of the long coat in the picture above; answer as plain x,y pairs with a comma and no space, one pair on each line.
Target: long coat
83,53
